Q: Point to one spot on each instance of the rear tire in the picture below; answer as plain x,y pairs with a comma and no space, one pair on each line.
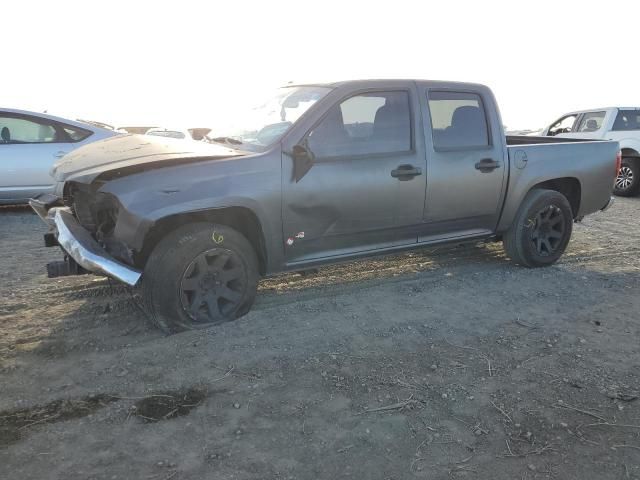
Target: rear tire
541,230
627,182
200,275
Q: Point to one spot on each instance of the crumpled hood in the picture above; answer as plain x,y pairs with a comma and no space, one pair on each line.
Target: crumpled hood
124,152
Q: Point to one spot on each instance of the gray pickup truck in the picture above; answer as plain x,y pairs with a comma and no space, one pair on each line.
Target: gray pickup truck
317,174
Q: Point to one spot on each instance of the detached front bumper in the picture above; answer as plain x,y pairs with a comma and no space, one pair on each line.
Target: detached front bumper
81,246
43,206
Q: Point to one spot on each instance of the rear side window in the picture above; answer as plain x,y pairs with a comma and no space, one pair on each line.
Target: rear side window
458,120
627,120
366,124
77,134
591,122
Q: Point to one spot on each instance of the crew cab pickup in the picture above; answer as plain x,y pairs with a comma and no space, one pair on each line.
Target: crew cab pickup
318,174
612,123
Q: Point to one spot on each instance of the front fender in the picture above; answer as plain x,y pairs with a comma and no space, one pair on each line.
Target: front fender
148,197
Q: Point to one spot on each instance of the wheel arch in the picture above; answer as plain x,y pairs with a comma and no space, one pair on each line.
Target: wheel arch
629,145
242,219
570,187
629,152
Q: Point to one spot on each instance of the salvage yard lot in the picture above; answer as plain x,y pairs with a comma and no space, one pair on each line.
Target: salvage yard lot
448,362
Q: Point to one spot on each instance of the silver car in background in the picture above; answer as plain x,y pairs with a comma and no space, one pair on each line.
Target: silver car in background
30,143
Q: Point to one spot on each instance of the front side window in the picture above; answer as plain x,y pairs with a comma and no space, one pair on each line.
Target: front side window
19,130
563,125
365,124
627,120
591,122
458,120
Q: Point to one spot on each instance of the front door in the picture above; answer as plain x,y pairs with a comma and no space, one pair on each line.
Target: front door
366,186
28,149
466,166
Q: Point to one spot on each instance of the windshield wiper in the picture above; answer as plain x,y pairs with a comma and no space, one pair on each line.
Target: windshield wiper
229,140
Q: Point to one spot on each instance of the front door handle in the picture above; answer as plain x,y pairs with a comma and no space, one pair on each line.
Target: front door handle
487,165
60,154
406,172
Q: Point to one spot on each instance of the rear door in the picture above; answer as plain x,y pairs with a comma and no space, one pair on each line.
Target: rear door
366,187
466,167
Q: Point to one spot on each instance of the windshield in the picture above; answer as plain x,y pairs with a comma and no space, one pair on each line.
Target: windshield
263,125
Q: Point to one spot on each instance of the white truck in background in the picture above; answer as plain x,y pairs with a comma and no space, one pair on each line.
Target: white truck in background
613,123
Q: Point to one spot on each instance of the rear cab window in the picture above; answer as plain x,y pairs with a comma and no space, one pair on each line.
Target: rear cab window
627,120
458,120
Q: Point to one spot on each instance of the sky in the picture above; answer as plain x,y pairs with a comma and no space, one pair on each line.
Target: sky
183,64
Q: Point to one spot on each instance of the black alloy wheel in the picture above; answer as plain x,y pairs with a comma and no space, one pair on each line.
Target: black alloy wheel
213,285
199,275
541,229
548,230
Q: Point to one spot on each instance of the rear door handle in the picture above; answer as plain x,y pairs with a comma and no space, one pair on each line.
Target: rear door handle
406,172
487,165
60,154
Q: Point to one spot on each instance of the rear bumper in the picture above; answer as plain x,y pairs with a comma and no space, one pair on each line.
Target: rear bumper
81,246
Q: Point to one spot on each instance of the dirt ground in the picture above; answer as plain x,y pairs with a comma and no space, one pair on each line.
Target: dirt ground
442,363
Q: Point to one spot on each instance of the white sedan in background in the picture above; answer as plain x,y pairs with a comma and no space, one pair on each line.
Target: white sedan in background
180,133
30,143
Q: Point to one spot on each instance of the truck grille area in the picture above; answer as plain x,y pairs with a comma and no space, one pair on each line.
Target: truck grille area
98,213
81,207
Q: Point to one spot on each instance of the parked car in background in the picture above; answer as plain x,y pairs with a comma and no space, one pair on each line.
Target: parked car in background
95,123
140,130
179,133
30,143
614,123
199,133
319,174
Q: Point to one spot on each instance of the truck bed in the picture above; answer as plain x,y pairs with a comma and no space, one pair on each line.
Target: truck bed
587,174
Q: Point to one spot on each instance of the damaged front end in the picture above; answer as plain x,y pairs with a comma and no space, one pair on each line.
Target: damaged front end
83,225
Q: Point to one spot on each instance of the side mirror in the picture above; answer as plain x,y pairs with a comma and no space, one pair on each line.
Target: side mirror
303,159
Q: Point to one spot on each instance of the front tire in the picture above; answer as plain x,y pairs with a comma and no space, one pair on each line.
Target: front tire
627,182
541,230
200,275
